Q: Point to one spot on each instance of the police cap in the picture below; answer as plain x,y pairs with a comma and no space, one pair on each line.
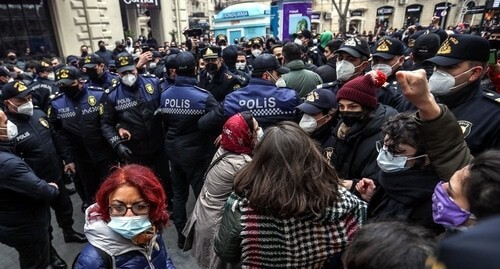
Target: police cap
317,101
388,47
212,52
66,75
15,89
267,62
91,60
459,48
356,47
184,60
124,62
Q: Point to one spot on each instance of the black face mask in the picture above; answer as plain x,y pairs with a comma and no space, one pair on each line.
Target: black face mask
350,118
84,53
70,91
211,68
102,48
92,73
12,57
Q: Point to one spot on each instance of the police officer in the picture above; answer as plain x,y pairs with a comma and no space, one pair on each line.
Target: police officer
216,78
388,57
188,147
98,76
460,63
128,121
75,116
268,103
43,86
312,54
43,152
255,46
230,56
25,213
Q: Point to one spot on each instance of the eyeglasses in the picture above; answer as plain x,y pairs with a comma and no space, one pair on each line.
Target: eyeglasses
139,208
380,146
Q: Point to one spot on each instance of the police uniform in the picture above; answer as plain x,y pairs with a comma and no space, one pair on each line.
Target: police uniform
133,108
268,103
77,121
222,82
475,108
43,91
108,80
189,148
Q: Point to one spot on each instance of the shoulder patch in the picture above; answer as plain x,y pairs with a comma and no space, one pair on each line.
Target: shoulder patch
492,96
148,75
466,127
229,76
112,87
149,88
95,88
92,100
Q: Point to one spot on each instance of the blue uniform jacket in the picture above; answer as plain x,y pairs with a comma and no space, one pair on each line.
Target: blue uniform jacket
181,106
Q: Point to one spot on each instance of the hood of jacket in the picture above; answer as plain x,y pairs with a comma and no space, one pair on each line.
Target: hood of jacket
101,236
296,65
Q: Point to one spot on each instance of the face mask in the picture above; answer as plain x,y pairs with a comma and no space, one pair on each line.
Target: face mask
25,109
84,53
280,83
51,76
70,91
442,83
390,163
260,134
12,57
345,70
102,48
92,73
445,211
11,130
384,68
256,52
129,79
211,68
308,123
350,118
129,227
240,66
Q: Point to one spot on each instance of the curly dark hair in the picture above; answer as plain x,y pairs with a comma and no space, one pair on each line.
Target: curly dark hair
402,129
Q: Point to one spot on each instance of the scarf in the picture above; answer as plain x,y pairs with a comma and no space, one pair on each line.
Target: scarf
236,135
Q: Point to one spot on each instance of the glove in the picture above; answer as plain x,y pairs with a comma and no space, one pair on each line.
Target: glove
124,152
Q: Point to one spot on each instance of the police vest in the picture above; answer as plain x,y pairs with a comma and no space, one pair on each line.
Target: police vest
88,103
147,90
267,103
183,100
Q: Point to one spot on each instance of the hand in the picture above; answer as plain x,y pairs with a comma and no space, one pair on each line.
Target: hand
53,185
144,59
347,183
124,134
416,89
124,152
70,167
366,188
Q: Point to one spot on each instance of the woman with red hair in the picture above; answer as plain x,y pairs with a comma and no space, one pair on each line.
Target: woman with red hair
239,135
124,225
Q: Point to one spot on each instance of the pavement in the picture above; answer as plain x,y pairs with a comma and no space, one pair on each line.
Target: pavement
68,251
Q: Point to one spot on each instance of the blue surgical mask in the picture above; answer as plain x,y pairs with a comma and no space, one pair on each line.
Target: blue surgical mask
391,163
129,227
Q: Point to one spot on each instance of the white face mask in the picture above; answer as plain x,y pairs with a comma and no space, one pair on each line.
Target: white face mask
11,130
256,52
442,83
51,76
345,70
308,123
240,66
280,83
129,79
25,109
384,68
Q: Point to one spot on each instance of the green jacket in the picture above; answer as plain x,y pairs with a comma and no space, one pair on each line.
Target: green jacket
300,79
444,143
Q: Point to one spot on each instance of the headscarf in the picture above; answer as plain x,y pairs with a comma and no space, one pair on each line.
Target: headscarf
236,135
325,37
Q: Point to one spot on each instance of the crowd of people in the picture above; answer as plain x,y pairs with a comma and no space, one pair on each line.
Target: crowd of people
325,151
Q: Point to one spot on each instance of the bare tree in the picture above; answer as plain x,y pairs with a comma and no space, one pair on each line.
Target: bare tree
342,11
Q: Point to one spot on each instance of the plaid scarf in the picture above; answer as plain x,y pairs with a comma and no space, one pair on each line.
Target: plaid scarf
297,242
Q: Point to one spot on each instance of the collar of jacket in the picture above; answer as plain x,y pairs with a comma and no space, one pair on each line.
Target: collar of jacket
295,65
260,81
185,81
461,96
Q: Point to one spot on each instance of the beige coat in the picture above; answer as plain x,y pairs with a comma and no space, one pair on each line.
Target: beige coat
207,213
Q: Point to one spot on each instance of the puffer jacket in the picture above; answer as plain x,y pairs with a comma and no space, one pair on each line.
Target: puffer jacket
124,254
300,79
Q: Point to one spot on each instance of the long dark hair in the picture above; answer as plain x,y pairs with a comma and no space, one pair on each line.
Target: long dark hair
288,175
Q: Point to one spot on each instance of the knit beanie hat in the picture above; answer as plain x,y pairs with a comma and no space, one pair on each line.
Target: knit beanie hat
363,89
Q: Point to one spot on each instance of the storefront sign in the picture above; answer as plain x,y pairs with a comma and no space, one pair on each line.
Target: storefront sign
356,13
315,16
414,9
236,14
297,16
143,3
385,10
